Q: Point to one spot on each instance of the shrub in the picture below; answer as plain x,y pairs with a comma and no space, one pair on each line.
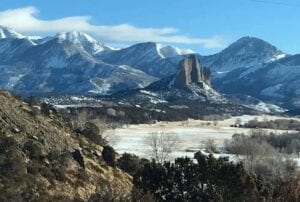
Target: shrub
109,155
130,163
92,132
209,179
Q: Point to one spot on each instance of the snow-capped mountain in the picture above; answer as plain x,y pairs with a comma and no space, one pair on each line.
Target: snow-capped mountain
83,41
6,32
12,44
64,63
277,82
253,67
74,62
247,52
152,58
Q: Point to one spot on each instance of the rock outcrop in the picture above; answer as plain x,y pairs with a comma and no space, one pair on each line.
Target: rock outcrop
191,72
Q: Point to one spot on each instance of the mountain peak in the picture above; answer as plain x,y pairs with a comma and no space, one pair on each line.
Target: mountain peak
75,37
83,40
246,52
170,51
253,45
6,32
161,50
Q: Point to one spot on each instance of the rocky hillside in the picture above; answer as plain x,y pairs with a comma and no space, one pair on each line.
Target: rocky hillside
41,159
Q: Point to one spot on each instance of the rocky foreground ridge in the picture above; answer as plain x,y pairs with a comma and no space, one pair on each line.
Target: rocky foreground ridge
42,159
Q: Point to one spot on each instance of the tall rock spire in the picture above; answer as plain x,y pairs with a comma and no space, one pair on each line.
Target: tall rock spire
190,71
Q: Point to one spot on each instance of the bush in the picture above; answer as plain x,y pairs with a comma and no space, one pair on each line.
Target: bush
209,179
109,155
130,163
92,132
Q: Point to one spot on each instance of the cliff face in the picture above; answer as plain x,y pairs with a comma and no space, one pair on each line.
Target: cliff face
190,71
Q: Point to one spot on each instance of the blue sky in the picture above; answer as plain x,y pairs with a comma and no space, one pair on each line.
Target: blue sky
206,26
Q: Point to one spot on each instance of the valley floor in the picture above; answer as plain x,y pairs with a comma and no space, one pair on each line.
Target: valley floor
192,134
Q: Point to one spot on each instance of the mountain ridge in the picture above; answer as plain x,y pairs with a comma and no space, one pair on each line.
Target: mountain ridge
74,62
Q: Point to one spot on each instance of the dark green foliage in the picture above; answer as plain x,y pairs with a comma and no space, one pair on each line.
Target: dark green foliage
109,155
209,179
77,156
131,163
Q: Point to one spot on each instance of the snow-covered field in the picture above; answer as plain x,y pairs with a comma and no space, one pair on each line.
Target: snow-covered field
191,134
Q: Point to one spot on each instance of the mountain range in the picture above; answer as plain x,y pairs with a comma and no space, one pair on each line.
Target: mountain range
75,63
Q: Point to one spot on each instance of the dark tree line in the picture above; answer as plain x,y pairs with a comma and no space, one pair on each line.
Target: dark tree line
203,179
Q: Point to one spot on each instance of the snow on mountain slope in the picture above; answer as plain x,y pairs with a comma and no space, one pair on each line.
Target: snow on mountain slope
75,62
83,41
247,52
65,63
170,51
276,82
6,32
152,58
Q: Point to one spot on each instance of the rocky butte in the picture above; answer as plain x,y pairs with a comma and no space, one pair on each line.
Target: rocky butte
191,72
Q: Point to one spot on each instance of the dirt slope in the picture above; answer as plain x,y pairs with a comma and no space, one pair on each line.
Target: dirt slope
42,160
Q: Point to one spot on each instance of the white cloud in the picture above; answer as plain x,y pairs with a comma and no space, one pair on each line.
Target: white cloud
25,20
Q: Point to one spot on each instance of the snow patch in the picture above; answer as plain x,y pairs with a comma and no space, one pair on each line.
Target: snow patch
267,108
6,32
13,81
148,93
83,40
169,51
103,89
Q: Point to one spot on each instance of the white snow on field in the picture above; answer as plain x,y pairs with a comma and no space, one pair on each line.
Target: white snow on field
191,134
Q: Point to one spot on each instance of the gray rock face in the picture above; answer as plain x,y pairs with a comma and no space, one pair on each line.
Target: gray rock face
190,71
